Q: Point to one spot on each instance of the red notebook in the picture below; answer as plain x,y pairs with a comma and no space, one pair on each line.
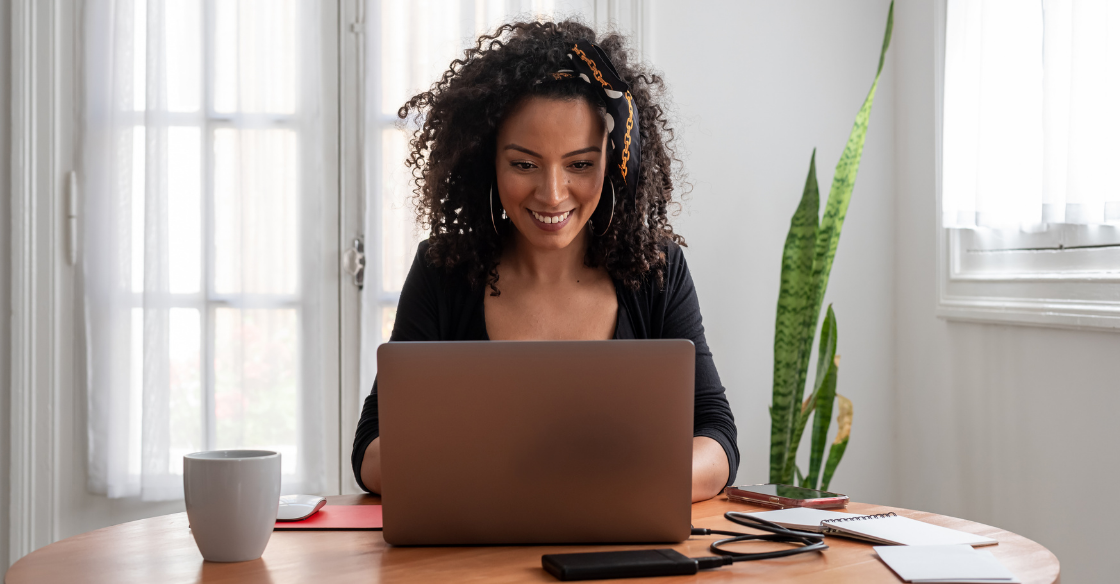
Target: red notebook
337,518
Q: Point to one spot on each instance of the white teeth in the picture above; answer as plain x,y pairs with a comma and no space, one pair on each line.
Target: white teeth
550,219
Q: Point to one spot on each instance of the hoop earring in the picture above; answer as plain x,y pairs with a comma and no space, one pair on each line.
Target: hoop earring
492,222
609,220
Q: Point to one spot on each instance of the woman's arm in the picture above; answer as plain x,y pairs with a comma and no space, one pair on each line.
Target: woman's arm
713,422
417,319
371,468
709,468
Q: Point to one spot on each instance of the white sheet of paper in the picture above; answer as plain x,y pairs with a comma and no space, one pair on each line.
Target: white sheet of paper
944,563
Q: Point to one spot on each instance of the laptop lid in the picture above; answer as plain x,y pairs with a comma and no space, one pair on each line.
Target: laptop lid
543,442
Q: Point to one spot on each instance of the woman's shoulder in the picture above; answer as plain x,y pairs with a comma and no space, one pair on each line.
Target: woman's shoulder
424,274
422,251
674,253
676,267
673,273
434,276
422,265
663,301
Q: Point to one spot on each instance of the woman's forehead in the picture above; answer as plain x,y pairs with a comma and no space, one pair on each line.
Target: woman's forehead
560,125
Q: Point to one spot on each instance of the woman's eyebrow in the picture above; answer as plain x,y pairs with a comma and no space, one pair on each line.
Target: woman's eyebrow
521,149
583,151
572,153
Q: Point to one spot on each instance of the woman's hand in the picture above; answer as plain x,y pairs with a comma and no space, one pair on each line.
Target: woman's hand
709,468
371,468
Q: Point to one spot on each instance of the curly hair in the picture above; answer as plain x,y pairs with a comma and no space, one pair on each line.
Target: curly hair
451,154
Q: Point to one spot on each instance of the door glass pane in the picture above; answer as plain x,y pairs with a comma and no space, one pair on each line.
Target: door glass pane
139,70
136,209
184,344
388,317
258,69
184,209
256,380
183,50
418,41
256,221
136,389
399,234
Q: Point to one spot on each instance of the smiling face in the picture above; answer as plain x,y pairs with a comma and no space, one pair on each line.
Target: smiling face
551,158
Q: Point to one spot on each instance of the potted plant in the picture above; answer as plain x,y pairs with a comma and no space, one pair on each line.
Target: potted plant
806,263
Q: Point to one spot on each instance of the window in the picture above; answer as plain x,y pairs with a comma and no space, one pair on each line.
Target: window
203,161
1030,208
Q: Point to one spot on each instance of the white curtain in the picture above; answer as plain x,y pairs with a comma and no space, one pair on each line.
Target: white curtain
1031,129
200,164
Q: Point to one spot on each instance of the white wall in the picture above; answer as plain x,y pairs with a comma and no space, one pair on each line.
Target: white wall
5,269
1010,426
757,86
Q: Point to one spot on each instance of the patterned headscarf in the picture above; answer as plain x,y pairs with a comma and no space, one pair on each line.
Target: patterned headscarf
591,64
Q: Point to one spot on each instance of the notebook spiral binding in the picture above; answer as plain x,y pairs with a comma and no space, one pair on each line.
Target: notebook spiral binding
860,518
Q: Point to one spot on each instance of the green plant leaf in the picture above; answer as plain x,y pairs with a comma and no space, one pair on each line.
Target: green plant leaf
844,426
826,395
826,351
843,181
794,302
793,341
800,477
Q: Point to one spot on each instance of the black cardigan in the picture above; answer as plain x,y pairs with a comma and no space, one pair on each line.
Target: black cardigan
435,306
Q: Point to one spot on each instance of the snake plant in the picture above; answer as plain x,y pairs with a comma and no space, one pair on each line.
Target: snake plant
806,263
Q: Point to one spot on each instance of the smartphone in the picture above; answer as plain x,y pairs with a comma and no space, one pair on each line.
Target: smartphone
782,496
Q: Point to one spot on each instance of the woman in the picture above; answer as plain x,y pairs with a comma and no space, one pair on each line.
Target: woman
543,173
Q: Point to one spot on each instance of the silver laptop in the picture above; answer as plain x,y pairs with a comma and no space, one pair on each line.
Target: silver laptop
502,442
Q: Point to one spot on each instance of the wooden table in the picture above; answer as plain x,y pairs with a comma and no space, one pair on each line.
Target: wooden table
160,550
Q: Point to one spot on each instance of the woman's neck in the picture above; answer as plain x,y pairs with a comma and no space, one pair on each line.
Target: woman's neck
545,266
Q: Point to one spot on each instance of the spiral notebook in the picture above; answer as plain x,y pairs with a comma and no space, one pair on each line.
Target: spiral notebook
891,529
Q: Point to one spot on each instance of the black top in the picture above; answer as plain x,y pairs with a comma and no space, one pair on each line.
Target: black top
435,306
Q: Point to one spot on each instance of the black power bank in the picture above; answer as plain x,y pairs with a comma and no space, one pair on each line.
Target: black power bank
629,564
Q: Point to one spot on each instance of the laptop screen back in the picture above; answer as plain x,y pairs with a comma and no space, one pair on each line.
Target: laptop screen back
536,442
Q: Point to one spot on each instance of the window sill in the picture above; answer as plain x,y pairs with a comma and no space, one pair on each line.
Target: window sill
1066,315
1027,290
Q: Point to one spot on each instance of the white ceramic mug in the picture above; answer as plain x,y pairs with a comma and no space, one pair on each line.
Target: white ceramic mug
232,497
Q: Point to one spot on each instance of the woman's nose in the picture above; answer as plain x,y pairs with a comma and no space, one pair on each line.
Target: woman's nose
555,188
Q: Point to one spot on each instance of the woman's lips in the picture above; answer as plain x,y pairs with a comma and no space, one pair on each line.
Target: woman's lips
551,221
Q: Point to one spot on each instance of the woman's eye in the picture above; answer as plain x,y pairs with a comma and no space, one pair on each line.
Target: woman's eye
581,165
524,165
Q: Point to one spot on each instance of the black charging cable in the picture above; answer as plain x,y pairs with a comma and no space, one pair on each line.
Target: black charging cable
668,562
806,540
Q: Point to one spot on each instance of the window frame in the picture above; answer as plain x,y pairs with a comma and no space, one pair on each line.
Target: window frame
206,300
1053,275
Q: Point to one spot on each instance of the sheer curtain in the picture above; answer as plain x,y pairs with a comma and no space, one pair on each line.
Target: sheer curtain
200,158
1031,121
